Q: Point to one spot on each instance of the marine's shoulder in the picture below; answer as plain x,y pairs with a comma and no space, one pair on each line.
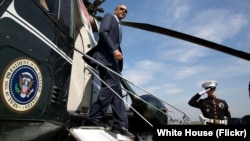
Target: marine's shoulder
220,100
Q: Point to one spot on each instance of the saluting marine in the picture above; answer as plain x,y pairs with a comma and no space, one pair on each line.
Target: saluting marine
214,110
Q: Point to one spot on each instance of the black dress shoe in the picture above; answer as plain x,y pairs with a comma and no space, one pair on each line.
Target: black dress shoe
124,131
95,123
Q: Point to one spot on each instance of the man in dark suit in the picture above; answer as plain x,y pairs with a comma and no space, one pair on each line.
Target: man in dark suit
109,53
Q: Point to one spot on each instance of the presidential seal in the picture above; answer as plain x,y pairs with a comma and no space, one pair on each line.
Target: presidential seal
21,85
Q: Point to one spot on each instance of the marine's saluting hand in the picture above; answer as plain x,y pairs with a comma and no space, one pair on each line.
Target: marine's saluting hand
203,92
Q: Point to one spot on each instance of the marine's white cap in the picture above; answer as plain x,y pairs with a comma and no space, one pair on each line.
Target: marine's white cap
209,84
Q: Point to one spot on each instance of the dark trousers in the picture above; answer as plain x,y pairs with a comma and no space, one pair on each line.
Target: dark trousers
107,97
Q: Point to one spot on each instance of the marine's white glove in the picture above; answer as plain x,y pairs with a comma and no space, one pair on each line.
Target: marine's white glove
203,92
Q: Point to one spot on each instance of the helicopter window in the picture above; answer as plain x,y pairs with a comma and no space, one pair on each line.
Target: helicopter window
155,102
64,14
61,11
52,5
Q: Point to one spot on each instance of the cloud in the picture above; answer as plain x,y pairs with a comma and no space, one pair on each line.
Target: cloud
185,72
212,26
142,72
182,54
238,68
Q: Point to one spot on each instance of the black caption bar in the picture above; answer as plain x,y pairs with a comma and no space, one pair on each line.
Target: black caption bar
197,132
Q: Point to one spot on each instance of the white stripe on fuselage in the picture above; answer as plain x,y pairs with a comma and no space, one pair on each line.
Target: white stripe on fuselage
12,14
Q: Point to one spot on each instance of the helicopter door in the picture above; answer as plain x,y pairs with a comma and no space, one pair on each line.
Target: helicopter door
80,90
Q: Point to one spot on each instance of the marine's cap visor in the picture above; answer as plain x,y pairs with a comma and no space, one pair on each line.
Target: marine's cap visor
209,84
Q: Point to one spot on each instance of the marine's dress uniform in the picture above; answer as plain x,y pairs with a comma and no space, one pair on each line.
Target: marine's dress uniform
211,108
215,110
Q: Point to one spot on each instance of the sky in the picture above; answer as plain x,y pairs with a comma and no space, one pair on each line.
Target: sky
172,69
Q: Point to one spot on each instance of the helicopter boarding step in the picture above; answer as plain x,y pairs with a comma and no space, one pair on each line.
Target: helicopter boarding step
90,133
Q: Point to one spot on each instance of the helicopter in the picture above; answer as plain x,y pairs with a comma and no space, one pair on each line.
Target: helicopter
46,86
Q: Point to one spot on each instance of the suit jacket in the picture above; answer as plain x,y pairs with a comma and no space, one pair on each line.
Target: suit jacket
109,41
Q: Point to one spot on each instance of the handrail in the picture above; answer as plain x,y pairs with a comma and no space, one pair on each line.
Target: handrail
85,56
